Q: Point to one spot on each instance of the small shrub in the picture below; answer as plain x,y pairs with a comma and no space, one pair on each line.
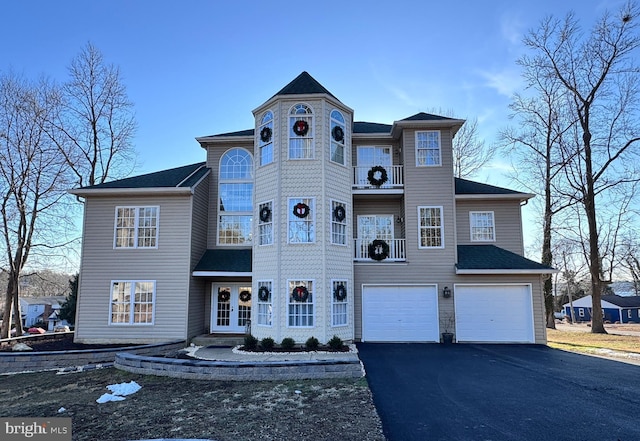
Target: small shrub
267,343
288,343
250,342
312,344
336,343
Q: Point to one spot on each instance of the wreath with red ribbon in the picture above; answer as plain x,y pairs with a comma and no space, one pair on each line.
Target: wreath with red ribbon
300,294
301,127
301,210
265,134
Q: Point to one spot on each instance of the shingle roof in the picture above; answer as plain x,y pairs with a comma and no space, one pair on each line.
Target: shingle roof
303,84
464,186
223,260
623,302
248,132
369,127
184,176
422,116
491,257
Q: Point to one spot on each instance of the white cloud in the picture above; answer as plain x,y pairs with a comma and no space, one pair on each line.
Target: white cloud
512,28
505,82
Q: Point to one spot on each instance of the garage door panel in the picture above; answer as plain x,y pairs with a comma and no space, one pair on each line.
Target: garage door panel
400,313
496,313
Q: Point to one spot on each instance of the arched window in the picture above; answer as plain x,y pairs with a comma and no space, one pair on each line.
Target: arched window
235,197
301,132
265,138
338,135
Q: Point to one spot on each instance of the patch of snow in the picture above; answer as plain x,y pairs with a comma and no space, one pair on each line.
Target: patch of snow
62,410
21,347
119,391
105,398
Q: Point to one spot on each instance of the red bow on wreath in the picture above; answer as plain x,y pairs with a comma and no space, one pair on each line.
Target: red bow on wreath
301,210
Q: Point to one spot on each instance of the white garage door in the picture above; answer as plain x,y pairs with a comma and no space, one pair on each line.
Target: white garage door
494,313
400,313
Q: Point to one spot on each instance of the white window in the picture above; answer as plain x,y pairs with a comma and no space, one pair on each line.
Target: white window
265,138
301,220
338,223
430,227
482,226
581,312
132,302
300,304
265,303
628,313
235,203
338,135
136,227
301,132
428,148
265,223
339,302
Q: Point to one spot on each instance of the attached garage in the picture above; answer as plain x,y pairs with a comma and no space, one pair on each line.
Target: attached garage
500,313
400,313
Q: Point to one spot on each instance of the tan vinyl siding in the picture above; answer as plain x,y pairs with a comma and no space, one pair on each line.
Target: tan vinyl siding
197,288
507,222
168,266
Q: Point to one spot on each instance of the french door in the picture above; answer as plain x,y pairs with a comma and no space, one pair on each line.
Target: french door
370,156
230,307
371,227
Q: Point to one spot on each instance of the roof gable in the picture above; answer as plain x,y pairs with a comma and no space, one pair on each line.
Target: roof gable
422,116
304,84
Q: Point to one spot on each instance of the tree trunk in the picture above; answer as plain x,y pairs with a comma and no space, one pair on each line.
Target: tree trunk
8,312
547,256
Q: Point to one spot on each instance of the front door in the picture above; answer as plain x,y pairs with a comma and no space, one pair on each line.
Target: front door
231,307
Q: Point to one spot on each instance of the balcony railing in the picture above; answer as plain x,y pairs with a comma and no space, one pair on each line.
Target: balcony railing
397,250
395,178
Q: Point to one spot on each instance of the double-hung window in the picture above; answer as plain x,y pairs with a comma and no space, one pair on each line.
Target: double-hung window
301,220
265,223
301,132
339,303
430,227
338,223
265,303
300,305
428,148
136,227
132,302
266,138
482,226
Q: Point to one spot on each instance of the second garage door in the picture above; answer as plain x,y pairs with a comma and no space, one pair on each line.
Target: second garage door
494,313
400,313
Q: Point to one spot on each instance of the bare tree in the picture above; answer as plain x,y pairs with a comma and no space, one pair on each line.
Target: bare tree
469,151
33,182
97,120
597,71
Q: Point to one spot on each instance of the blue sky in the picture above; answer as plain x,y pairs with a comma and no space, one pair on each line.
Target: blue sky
195,68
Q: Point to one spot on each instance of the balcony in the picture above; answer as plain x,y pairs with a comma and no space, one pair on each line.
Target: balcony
397,251
394,182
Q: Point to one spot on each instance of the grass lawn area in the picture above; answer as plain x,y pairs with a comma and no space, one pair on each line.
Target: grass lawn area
586,342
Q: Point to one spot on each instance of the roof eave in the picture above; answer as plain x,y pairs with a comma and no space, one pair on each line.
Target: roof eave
221,274
506,271
223,139
371,135
519,196
301,97
398,126
149,191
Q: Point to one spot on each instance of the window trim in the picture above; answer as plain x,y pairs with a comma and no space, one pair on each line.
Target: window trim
131,321
335,302
271,222
442,246
343,144
312,303
472,226
333,222
249,242
136,227
439,132
260,283
310,134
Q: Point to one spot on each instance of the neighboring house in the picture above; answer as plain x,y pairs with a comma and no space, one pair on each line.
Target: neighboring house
310,224
39,309
614,309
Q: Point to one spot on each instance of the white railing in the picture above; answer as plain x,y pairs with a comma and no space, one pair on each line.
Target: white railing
397,250
395,178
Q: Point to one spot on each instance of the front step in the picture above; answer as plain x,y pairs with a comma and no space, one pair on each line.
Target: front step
228,340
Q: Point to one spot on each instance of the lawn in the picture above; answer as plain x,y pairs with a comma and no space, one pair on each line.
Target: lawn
585,342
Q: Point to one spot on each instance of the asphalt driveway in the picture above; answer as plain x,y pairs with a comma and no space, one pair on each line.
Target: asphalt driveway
500,392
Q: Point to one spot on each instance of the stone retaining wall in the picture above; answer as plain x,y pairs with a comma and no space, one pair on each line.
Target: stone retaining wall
238,371
13,362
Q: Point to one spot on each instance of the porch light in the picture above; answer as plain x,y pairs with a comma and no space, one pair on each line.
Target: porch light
446,292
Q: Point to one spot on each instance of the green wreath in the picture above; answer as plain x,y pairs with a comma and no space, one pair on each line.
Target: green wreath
301,127
339,213
337,133
300,294
263,294
301,210
245,296
378,250
340,293
223,296
265,134
371,175
265,214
